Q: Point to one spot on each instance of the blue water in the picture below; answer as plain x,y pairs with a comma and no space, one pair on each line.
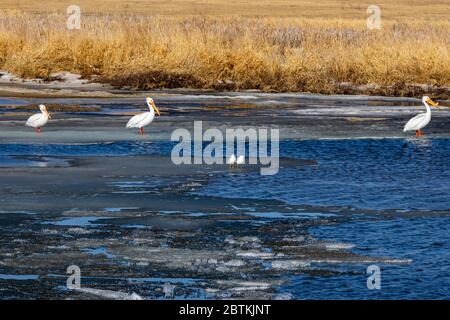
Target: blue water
18,277
423,240
376,174
409,179
76,221
386,175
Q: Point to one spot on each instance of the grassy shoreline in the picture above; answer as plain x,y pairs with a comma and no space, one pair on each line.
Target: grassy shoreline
318,55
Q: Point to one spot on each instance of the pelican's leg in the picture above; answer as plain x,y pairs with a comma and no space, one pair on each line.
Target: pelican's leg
420,133
141,130
417,133
38,130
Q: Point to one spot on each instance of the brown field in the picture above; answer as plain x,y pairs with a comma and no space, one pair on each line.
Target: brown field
354,9
316,46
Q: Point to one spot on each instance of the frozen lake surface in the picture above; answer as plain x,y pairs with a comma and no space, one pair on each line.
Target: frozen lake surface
353,190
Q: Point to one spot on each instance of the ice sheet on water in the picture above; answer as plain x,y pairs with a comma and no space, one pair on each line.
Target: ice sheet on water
254,254
88,221
373,112
290,264
339,246
110,294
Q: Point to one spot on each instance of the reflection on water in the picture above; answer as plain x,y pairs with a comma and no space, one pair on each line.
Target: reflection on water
419,143
32,162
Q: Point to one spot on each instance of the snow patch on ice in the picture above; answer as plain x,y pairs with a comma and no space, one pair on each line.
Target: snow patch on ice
339,246
68,77
110,294
255,254
290,264
235,263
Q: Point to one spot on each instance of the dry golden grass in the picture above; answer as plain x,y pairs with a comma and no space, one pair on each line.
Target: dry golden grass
142,46
354,9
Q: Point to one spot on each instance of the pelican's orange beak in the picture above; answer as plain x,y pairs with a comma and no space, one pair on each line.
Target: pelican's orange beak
156,109
48,114
432,103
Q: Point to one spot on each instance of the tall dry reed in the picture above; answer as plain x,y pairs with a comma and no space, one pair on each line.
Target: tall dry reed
271,54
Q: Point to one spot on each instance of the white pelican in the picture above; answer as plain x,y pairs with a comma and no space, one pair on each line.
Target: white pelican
231,160
422,119
240,160
39,120
143,119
